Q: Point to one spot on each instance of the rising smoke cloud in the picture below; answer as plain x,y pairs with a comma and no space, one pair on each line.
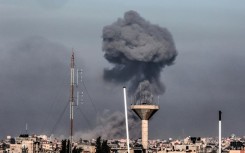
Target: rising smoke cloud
138,51
111,125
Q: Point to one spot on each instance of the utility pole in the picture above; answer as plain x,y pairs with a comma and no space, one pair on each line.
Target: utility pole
220,149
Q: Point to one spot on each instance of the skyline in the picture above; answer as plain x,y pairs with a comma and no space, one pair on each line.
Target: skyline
36,39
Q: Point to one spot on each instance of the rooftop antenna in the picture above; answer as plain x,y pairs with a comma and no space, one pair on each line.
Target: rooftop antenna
79,78
26,128
77,98
158,98
81,81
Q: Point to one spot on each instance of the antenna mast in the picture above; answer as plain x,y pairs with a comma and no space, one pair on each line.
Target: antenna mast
71,99
26,128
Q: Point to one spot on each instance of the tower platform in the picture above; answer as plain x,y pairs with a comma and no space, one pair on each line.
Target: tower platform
145,112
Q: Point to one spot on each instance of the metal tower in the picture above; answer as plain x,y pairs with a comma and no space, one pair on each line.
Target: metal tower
74,87
72,99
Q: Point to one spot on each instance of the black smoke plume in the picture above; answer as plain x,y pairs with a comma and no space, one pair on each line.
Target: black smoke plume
138,50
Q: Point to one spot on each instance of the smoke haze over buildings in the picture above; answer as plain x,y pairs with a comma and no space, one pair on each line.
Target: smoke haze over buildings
208,74
111,125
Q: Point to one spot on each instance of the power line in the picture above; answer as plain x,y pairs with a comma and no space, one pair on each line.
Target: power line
93,104
61,115
85,118
90,98
54,102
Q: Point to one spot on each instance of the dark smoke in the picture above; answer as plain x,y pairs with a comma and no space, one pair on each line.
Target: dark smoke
138,50
111,126
143,94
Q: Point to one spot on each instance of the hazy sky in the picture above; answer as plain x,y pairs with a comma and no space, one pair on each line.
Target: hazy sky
36,39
